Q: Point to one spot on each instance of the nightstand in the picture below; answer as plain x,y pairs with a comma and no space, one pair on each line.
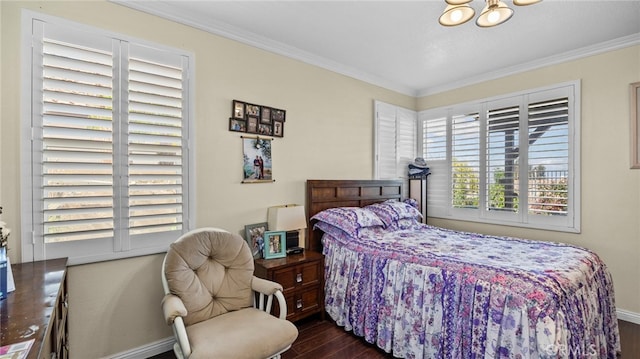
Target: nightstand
302,278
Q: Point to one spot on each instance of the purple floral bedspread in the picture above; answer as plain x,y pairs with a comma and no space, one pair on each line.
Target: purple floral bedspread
428,292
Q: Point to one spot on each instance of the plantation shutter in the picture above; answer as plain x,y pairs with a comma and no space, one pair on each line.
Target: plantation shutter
434,151
508,160
465,160
109,145
406,141
386,156
155,143
548,129
77,141
503,152
395,140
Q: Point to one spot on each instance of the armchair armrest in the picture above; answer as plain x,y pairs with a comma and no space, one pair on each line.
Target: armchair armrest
174,310
269,289
172,307
264,286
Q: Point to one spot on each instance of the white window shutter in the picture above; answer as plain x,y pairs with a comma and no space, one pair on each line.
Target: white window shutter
109,145
395,140
507,160
77,139
434,150
155,144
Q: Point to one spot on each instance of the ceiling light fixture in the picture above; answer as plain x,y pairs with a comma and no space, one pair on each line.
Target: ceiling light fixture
494,13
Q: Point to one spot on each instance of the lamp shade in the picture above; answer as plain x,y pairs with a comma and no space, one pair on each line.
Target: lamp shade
288,217
495,13
456,15
525,2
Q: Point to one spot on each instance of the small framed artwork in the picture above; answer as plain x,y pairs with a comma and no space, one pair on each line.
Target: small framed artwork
275,244
256,165
278,115
278,128
252,125
634,111
252,110
237,125
254,235
238,109
264,129
265,115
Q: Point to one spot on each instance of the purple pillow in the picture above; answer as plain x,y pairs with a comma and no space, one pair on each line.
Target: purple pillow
349,219
391,212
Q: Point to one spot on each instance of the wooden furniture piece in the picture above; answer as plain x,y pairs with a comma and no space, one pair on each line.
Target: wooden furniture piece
302,277
323,194
37,309
418,191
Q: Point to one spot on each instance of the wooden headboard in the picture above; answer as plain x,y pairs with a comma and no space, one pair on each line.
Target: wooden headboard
323,194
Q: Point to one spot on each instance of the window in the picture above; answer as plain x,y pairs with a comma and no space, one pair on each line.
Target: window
510,160
395,140
109,161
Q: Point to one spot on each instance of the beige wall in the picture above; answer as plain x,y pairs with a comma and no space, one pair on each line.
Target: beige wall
610,190
114,306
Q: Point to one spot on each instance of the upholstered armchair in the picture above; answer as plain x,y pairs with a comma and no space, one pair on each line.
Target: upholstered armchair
216,306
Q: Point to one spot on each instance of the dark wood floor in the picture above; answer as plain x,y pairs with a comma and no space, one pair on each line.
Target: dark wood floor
324,339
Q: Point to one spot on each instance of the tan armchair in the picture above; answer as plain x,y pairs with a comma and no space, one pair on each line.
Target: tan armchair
216,306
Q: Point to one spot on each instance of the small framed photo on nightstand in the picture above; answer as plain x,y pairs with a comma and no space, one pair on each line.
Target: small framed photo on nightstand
275,244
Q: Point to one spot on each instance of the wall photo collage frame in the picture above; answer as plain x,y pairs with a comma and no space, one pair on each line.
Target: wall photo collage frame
257,119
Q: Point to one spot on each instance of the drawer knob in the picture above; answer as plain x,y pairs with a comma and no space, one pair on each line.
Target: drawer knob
298,277
298,303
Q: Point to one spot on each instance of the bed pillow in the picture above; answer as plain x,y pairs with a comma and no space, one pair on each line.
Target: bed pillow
349,219
396,214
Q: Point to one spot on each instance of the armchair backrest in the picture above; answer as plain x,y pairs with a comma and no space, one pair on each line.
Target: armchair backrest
211,271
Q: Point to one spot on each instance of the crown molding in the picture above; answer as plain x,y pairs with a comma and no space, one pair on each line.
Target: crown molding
615,44
169,12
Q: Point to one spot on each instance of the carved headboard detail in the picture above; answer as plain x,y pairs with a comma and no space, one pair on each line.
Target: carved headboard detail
323,194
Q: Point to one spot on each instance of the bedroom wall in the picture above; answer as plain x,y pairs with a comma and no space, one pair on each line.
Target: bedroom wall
115,305
610,190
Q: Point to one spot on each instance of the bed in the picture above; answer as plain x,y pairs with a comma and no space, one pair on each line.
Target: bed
419,291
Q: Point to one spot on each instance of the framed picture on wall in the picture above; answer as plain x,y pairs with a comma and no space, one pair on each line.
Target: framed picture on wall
238,110
265,115
634,97
237,125
278,128
252,125
256,167
265,129
278,115
252,110
275,244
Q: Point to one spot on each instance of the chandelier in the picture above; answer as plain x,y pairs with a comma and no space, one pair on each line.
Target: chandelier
494,13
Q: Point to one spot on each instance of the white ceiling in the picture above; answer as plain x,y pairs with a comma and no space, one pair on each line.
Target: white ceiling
399,45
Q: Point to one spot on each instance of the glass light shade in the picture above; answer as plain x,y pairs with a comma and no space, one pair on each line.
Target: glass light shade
525,2
456,15
286,218
495,13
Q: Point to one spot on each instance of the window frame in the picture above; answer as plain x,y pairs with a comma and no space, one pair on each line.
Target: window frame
571,223
116,247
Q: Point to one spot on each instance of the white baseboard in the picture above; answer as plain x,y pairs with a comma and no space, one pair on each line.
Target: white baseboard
628,316
148,350
166,345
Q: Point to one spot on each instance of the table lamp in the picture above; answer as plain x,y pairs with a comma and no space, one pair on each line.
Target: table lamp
290,218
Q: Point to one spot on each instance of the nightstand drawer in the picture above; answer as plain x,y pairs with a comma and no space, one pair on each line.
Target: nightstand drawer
298,276
301,276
